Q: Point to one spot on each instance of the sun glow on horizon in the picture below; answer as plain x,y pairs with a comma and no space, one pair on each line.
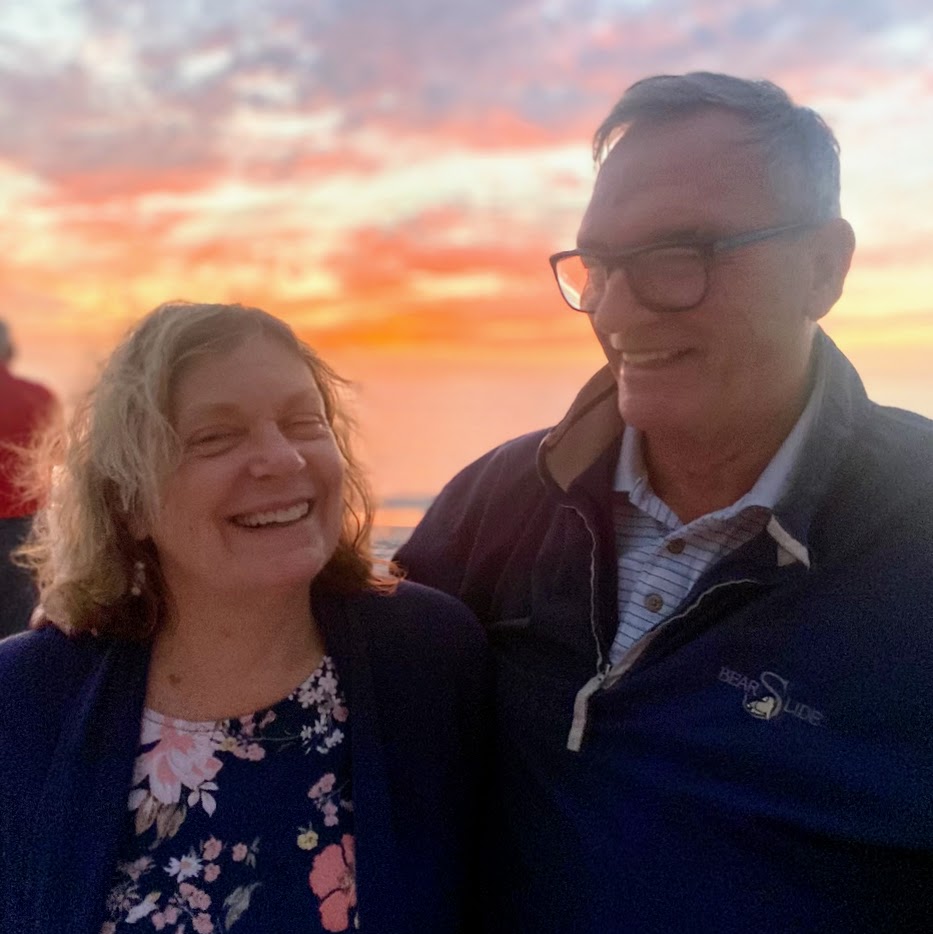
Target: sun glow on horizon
398,208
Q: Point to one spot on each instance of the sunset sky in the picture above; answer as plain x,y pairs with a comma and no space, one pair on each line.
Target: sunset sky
390,177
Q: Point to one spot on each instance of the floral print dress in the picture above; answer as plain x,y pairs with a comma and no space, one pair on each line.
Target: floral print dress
243,824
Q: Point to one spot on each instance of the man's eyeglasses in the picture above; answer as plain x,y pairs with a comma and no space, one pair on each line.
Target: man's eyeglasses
662,276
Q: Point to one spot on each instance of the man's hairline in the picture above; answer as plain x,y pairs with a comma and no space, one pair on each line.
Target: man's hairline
753,138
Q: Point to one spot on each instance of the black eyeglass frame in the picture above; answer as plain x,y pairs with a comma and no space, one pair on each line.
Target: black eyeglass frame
707,250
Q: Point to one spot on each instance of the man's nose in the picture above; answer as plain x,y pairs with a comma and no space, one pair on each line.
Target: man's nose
618,304
274,453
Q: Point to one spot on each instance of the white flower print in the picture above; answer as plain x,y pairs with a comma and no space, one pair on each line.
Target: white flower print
185,868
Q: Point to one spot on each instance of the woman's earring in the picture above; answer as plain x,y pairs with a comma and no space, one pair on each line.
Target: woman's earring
139,578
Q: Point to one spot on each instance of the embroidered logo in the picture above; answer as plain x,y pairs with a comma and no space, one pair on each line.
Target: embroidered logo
769,696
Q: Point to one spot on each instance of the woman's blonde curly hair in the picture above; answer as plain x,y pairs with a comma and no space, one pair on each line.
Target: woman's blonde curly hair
119,448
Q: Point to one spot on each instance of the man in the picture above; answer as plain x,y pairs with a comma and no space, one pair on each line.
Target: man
710,587
25,409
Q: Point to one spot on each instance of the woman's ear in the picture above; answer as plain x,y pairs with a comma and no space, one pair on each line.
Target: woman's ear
832,246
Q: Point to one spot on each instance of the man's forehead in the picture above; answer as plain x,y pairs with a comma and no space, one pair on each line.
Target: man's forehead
695,171
711,142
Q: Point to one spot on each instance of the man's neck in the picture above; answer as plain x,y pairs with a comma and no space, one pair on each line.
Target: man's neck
699,474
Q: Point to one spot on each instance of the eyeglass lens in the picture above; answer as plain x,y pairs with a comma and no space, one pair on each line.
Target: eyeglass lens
672,277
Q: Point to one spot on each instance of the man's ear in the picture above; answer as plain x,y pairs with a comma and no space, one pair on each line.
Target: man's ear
831,249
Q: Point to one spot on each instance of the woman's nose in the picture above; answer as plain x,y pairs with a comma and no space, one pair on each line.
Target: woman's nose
275,453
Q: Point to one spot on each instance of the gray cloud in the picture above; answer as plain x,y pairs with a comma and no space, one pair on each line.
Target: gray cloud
151,85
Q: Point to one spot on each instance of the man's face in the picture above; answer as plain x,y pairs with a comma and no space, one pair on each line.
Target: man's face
739,357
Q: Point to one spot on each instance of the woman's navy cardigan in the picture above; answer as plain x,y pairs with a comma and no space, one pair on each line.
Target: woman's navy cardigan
413,666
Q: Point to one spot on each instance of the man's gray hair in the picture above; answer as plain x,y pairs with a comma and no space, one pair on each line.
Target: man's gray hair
801,150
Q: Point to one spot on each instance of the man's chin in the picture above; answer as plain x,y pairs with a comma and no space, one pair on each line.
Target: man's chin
659,416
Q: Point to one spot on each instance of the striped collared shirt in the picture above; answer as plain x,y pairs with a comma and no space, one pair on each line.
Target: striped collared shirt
660,559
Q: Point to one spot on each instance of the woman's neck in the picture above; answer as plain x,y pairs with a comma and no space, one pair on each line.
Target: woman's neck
218,658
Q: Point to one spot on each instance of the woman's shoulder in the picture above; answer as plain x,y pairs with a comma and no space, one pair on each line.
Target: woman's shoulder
427,658
36,648
405,629
43,664
421,613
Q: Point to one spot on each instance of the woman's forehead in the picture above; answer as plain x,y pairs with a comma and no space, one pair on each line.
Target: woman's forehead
255,371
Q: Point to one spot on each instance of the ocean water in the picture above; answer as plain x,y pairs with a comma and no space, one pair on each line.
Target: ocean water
388,539
395,520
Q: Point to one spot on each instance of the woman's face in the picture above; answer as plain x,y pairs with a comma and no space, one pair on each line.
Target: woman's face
257,499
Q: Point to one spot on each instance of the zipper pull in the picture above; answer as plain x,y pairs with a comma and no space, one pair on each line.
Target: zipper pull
581,708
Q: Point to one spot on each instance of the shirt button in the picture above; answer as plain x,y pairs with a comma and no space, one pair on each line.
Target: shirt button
675,546
654,602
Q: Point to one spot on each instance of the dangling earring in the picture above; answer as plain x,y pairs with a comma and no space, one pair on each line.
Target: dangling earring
139,578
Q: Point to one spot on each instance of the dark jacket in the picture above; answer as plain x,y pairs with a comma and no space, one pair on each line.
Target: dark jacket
763,760
412,666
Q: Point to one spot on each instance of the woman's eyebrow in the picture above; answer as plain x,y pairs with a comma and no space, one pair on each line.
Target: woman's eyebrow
205,410
199,411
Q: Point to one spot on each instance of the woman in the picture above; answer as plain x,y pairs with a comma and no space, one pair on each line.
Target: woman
232,721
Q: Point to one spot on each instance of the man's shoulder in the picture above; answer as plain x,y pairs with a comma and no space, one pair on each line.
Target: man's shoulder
502,472
908,429
517,453
901,443
481,500
878,503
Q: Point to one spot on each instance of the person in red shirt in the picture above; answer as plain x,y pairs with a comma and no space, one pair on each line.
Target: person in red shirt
26,408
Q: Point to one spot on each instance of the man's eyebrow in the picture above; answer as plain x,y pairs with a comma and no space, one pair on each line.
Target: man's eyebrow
674,236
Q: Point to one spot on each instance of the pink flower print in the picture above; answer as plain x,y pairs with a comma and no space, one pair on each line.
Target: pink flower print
202,924
138,867
108,927
341,713
267,719
239,852
255,752
171,914
324,786
329,810
179,758
200,899
195,897
333,880
211,849
158,920
211,872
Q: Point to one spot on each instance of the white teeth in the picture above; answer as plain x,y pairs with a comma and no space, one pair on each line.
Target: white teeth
650,356
278,516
